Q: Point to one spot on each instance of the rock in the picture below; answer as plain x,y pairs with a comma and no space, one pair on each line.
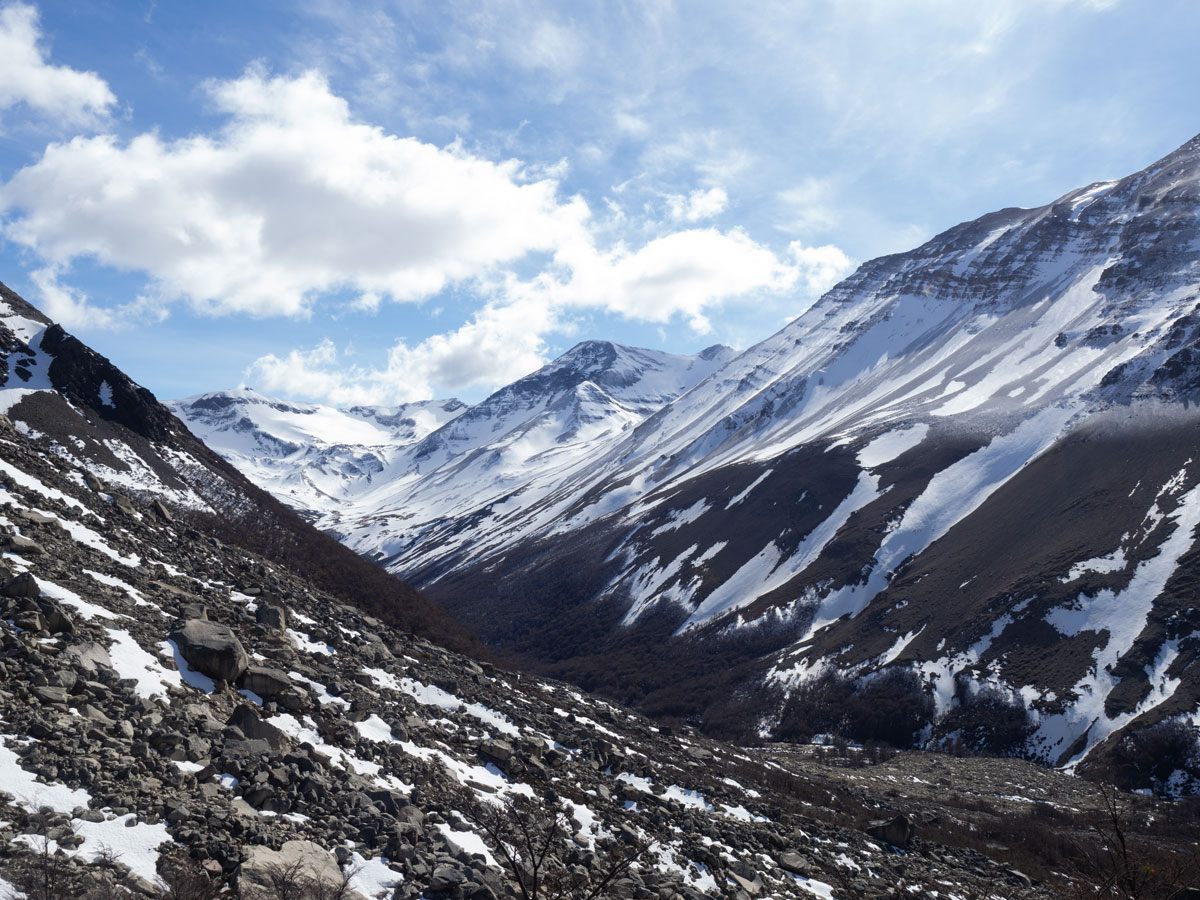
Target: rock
93,483
898,832
57,621
246,719
308,863
752,886
211,648
21,544
88,656
124,504
24,586
271,615
160,510
50,694
498,752
791,861
266,682
446,878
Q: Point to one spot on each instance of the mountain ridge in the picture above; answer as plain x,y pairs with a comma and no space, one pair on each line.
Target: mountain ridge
775,517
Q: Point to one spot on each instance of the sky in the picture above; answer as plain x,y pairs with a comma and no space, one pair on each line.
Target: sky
382,201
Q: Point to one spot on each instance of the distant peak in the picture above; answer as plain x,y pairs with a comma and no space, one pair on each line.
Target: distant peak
710,353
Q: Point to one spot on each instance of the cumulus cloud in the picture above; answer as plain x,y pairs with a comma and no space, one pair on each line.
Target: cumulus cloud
293,198
819,268
500,344
699,204
65,95
684,273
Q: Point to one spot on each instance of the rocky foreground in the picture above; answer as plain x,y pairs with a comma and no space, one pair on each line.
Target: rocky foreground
176,710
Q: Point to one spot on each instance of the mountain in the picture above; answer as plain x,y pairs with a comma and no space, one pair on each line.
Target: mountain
87,412
972,464
183,715
309,456
382,489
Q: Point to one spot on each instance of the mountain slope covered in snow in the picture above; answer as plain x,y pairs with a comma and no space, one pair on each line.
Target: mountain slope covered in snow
973,461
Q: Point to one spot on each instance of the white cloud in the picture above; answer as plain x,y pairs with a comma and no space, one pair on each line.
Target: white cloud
685,273
699,204
68,96
293,198
819,268
66,305
499,345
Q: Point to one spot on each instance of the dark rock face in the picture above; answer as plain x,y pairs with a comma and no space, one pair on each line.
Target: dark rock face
899,832
211,648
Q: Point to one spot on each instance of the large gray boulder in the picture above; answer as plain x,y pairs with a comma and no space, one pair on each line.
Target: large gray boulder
309,870
266,682
899,832
211,649
253,727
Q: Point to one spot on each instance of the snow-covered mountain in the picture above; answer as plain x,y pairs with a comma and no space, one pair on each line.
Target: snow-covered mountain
975,460
380,477
311,457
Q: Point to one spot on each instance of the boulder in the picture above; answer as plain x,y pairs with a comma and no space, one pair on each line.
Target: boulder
791,861
898,832
268,683
498,752
303,863
246,719
271,615
446,878
160,510
22,587
23,546
211,648
88,656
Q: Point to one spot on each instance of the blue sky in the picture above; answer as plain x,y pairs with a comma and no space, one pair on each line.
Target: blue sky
375,202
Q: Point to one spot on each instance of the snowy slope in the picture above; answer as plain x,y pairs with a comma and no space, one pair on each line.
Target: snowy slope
974,459
805,488
309,456
378,476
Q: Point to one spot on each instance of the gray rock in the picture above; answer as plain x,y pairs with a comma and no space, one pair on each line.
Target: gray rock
499,752
446,878
309,863
899,832
88,656
21,544
791,861
266,682
23,586
124,504
271,615
160,510
247,720
211,648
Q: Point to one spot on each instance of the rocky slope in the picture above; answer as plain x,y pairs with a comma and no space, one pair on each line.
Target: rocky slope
58,390
166,697
973,461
